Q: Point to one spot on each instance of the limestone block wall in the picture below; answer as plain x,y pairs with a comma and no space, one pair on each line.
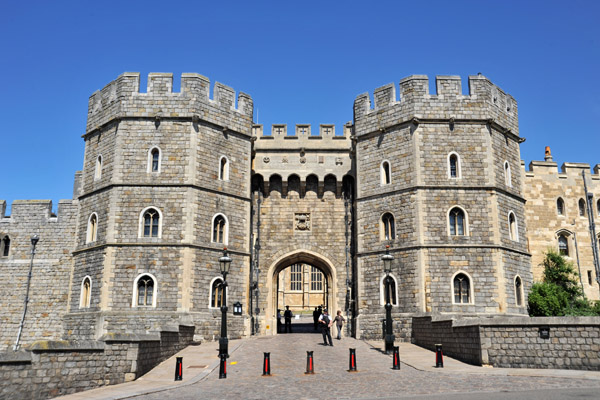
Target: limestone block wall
49,290
544,184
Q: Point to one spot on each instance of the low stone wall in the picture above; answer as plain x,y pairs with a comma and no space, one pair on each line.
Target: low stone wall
370,326
515,342
53,368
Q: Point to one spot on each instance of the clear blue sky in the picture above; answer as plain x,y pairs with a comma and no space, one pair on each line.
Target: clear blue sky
302,62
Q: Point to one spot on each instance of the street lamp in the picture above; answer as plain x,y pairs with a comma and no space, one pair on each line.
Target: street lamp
387,259
34,241
224,263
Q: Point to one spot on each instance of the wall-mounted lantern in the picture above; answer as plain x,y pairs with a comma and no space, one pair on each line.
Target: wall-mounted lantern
237,308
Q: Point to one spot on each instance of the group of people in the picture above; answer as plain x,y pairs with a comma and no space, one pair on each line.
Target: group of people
322,320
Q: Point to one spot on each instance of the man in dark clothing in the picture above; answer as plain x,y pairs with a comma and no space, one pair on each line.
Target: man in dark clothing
287,316
316,315
326,321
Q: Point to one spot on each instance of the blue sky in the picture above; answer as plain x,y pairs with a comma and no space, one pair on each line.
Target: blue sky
302,62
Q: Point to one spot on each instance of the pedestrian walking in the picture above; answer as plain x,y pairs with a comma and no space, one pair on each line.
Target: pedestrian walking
326,322
339,322
287,316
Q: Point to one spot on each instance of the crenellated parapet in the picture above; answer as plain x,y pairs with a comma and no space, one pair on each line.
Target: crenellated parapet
302,136
485,102
122,99
567,170
37,211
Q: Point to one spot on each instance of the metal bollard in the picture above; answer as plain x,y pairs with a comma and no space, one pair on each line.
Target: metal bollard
396,358
267,365
179,369
439,357
310,368
223,366
352,361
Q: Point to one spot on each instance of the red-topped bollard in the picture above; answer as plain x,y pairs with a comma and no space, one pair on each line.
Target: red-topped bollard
223,366
396,358
179,368
310,368
352,361
439,357
267,365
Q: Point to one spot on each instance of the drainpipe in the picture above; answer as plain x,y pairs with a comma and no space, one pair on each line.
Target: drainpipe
34,240
590,211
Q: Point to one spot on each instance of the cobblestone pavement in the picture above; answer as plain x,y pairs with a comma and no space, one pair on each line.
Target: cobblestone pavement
374,379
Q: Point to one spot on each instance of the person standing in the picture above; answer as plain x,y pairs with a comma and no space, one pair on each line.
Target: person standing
287,316
316,315
278,320
339,322
326,322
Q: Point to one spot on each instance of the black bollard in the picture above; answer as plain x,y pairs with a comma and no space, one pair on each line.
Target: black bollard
310,368
396,358
439,358
352,361
223,366
179,369
267,365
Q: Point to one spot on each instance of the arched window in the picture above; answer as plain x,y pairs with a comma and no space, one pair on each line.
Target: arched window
98,171
154,160
560,206
216,293
92,228
513,229
563,245
393,291
457,222
386,173
454,170
86,293
518,291
598,207
581,208
388,227
150,223
145,291
461,285
224,169
5,246
219,229
507,176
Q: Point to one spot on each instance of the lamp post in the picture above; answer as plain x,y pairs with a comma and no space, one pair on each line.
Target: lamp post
387,259
224,263
34,241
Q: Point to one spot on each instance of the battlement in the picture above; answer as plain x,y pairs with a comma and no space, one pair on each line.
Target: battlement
567,170
35,210
485,101
122,98
303,136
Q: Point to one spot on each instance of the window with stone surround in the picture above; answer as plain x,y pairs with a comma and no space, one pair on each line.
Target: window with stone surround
216,293
590,280
454,169
296,277
598,207
457,222
518,291
4,246
150,223
513,228
461,287
563,245
386,173
560,206
92,228
387,227
393,291
145,291
86,293
316,279
98,170
224,168
581,208
220,229
507,175
154,160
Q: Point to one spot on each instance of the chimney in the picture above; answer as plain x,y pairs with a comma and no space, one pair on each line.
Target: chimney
548,155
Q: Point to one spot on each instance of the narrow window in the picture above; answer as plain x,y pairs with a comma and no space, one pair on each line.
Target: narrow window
462,289
316,279
388,226
518,291
219,229
512,227
86,293
216,293
92,228
581,208
296,277
457,222
151,223
145,291
563,245
598,207
5,246
507,177
589,274
386,177
224,169
560,206
453,166
98,171
155,160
